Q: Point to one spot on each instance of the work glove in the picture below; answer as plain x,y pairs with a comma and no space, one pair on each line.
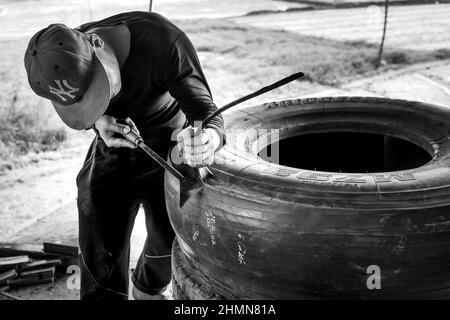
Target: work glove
198,151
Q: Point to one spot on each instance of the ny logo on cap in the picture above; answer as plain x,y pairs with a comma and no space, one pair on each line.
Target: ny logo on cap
61,91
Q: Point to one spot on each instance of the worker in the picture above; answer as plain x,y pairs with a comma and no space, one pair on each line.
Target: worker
140,67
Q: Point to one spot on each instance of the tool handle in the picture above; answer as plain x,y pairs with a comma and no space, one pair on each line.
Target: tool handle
133,137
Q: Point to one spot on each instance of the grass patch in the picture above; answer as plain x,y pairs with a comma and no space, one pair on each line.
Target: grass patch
24,130
236,59
253,53
27,123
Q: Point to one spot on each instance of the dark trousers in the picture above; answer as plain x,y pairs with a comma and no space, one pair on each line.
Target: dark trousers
112,184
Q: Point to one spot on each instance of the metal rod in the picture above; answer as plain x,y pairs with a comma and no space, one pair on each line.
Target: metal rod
268,88
163,163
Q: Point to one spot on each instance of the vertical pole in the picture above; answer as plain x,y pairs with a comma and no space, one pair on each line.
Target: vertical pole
90,10
150,6
380,53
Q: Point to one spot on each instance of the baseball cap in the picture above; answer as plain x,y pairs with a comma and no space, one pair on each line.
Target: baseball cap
62,66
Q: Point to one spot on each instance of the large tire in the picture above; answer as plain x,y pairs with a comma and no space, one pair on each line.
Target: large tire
263,231
184,284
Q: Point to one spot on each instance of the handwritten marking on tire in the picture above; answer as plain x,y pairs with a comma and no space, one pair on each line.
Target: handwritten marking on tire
211,224
196,233
241,249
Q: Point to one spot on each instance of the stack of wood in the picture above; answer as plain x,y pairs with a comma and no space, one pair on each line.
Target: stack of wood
19,271
26,265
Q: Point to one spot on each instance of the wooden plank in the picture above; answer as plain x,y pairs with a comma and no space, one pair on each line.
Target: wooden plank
57,248
19,282
66,261
7,263
38,273
15,249
4,288
10,296
39,264
37,252
10,274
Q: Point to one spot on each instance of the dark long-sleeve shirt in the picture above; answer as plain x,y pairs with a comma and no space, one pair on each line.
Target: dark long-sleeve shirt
162,80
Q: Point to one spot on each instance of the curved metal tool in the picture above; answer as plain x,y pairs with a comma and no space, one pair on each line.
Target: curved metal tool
261,91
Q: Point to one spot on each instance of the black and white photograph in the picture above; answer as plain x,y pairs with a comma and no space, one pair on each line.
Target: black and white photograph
226,155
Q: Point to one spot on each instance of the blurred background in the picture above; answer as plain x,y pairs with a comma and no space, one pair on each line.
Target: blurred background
396,49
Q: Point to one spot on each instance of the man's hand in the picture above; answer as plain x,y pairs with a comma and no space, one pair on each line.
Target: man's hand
107,127
198,151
